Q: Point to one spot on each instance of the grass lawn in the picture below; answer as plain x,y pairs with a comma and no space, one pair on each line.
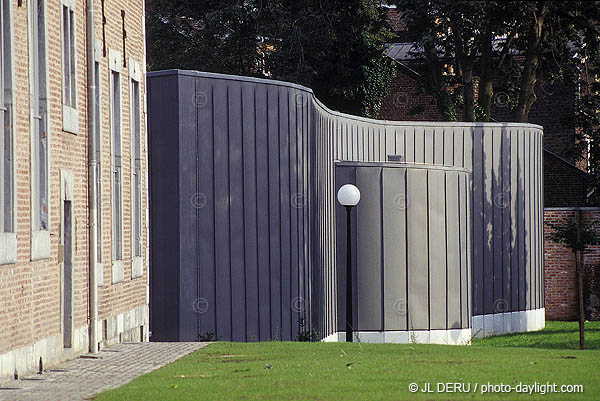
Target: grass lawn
339,371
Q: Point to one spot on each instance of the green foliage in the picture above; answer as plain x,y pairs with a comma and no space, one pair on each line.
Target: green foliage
577,235
335,47
305,334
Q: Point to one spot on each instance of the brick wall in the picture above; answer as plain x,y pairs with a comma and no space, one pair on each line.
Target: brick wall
560,285
30,291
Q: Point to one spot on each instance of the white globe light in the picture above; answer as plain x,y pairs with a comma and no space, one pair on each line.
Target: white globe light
348,195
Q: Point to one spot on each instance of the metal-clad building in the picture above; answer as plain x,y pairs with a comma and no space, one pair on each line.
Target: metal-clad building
243,210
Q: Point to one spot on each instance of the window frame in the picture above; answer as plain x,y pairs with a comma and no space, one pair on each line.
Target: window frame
137,215
8,235
115,67
40,236
70,115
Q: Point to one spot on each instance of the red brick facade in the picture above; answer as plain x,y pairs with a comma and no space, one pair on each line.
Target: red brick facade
31,291
560,284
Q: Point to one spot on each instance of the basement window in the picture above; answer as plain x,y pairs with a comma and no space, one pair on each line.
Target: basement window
8,237
69,56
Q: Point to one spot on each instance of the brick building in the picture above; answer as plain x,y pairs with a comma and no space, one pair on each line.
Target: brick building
565,179
73,136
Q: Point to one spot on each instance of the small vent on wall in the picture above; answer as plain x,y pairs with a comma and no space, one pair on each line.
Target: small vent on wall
395,158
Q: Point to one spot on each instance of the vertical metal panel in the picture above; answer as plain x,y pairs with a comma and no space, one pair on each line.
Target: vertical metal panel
466,276
437,249
222,238
369,251
498,302
164,254
262,191
456,255
488,222
478,225
188,287
394,245
250,211
236,214
504,203
416,223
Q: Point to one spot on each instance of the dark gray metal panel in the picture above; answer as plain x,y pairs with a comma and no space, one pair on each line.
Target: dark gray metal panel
262,201
527,222
498,303
204,204
514,221
250,211
521,219
285,202
394,245
488,221
416,222
164,273
188,287
369,251
222,219
437,249
504,203
236,213
478,226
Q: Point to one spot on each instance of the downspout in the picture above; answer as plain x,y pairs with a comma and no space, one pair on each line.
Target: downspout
92,174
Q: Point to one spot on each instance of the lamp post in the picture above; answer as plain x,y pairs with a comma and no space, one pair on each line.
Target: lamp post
348,196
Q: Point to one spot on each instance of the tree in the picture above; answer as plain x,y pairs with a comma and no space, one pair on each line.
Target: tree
578,236
517,41
335,47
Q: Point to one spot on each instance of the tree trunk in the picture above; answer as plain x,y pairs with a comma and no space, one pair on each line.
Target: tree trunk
468,93
579,269
486,82
528,78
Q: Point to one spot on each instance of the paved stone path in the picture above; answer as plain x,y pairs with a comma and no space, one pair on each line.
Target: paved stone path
81,378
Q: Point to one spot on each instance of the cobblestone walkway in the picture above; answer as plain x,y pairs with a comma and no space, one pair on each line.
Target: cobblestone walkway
81,378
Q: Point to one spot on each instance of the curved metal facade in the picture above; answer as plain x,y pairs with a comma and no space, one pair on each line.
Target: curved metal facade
243,206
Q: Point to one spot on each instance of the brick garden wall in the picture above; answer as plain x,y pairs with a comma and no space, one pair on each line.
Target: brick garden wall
560,285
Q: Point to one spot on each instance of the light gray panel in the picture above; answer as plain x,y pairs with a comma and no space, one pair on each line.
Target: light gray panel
420,145
439,142
429,145
521,218
409,135
449,148
369,252
437,250
394,245
416,223
454,252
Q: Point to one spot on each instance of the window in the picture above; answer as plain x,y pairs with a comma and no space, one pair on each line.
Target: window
70,117
40,216
116,165
136,170
8,238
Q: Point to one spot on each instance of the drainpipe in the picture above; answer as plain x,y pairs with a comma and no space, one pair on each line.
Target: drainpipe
92,175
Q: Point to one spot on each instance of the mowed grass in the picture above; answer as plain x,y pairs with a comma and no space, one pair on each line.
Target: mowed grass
339,371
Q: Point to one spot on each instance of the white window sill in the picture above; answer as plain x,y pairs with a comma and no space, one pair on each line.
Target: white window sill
8,248
118,274
137,267
40,245
99,274
70,119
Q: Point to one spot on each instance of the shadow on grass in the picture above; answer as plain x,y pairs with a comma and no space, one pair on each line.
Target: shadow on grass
556,335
